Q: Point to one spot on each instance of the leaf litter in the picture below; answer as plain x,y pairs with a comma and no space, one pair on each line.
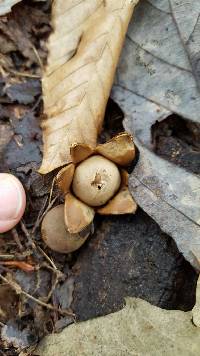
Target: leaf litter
58,275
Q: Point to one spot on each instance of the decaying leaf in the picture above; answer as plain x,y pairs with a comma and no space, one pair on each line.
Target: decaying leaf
138,329
155,79
6,5
79,152
88,35
122,203
120,149
64,177
77,214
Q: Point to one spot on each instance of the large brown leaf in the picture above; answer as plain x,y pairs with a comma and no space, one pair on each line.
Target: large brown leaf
83,53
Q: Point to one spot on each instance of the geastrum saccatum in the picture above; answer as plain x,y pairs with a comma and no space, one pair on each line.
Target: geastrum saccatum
95,182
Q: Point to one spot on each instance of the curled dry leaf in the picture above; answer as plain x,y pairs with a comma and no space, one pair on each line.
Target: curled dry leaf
64,177
120,149
80,151
55,234
88,35
77,215
123,202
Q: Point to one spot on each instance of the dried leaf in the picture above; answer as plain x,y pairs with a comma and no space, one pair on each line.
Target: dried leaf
76,84
77,214
79,152
120,149
122,203
155,79
64,177
138,329
6,5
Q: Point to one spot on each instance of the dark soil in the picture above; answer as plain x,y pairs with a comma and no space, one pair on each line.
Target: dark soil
178,140
126,256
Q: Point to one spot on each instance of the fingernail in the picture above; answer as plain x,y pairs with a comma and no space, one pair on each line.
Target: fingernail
12,201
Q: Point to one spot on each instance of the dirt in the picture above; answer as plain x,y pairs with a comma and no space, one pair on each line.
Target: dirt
178,140
127,255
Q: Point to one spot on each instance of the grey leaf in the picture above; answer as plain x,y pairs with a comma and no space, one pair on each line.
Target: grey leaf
155,79
6,5
189,27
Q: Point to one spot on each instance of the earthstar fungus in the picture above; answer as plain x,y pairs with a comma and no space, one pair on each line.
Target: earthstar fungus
95,182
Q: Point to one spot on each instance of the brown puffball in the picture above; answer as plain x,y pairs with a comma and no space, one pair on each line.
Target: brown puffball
96,180
55,234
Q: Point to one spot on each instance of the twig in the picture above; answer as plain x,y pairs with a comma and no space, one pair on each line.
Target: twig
18,290
2,324
37,56
17,256
36,104
35,247
16,238
51,191
7,257
28,236
38,221
38,217
22,74
47,258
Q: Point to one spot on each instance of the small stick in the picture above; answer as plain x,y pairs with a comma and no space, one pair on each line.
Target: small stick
37,56
39,215
17,256
22,74
51,191
16,238
47,258
28,236
7,257
35,247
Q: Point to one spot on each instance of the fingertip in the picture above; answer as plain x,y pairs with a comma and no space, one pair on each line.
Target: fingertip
12,201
